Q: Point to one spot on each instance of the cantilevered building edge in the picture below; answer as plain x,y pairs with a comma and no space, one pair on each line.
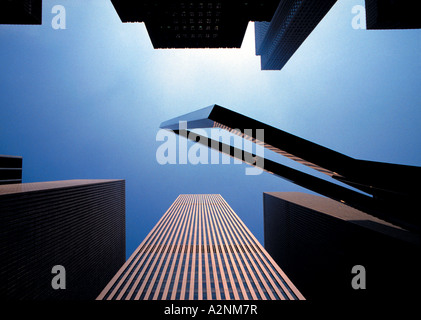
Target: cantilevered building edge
388,193
200,250
75,224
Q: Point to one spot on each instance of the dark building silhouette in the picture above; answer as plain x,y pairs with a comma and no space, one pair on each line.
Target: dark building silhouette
293,21
21,12
76,224
383,188
200,250
10,169
195,23
317,242
392,14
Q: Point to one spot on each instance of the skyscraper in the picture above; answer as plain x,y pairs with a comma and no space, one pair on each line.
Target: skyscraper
21,12
200,250
318,241
292,22
77,225
10,169
195,23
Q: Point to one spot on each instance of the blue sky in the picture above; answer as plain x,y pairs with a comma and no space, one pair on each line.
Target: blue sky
87,102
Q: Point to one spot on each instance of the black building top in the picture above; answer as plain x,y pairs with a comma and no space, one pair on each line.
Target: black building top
20,12
10,169
392,14
195,23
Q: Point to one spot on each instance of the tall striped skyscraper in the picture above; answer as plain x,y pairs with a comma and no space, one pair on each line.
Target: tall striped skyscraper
200,250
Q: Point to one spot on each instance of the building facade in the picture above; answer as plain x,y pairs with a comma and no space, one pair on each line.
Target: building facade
292,23
318,241
10,169
76,224
200,250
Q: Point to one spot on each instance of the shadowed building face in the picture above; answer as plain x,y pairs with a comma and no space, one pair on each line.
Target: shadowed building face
318,241
200,250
